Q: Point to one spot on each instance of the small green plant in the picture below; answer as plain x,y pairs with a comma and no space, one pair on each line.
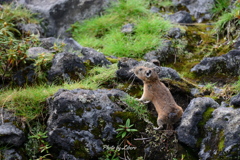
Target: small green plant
42,63
37,147
220,7
133,105
125,130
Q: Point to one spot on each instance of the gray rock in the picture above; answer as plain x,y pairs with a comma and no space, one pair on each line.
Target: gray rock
70,44
226,64
126,64
128,28
24,76
34,52
154,9
66,67
187,131
10,154
166,53
237,43
30,29
5,1
95,57
180,17
200,9
235,101
175,33
75,118
11,135
222,135
60,14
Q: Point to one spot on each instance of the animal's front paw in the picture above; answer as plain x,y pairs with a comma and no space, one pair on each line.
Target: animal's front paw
144,101
158,128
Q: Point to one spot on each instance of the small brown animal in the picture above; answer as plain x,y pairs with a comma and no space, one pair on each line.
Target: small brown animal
156,92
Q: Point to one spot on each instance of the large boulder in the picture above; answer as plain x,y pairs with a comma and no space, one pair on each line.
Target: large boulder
60,14
188,131
226,64
81,121
200,9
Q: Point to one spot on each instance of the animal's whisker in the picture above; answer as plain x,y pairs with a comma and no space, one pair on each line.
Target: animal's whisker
133,75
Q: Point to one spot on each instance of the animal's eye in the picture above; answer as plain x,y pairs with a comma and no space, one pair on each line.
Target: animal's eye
140,69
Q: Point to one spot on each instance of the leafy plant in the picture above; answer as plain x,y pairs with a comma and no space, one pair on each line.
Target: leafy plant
13,46
37,147
124,130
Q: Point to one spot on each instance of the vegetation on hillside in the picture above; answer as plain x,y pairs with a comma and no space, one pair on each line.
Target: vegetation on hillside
104,32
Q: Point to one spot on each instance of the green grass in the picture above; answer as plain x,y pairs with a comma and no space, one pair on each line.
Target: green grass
29,102
104,32
228,21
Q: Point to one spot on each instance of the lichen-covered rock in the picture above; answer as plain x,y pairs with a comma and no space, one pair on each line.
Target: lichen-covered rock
222,140
187,131
235,101
65,67
226,64
81,121
180,17
95,57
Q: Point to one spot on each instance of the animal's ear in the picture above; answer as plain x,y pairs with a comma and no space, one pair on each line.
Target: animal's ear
148,73
157,69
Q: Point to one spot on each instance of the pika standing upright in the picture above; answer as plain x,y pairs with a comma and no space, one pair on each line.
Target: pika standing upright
156,92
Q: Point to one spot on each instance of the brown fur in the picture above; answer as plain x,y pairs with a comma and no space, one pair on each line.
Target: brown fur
156,92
